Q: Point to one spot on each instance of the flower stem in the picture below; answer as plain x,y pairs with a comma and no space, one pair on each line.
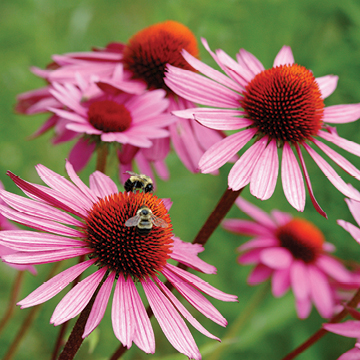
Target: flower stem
27,322
12,302
102,152
321,332
75,339
212,222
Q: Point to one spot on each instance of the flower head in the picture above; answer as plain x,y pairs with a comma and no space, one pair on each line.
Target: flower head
75,220
294,254
281,108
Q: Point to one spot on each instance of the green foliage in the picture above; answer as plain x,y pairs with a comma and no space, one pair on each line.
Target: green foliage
324,36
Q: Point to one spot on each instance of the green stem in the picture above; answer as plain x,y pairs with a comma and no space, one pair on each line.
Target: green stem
239,323
27,322
321,332
13,298
102,153
212,222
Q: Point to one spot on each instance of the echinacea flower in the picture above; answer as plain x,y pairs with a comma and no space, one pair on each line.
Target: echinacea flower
74,220
294,254
280,108
5,224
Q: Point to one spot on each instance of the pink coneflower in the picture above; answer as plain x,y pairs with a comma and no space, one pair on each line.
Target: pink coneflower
281,108
75,220
294,254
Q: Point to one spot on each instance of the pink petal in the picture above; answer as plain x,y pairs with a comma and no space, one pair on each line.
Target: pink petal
170,321
308,183
350,146
331,174
245,227
303,307
240,173
258,243
352,354
80,154
221,152
341,114
264,177
199,89
221,122
250,61
349,328
53,286
183,311
102,185
210,72
30,241
299,280
284,57
44,257
99,306
276,258
321,292
187,253
339,160
354,207
280,282
195,298
259,274
77,298
250,257
280,217
292,180
334,268
260,216
327,84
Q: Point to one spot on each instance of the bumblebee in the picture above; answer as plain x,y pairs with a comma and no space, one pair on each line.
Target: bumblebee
139,181
144,220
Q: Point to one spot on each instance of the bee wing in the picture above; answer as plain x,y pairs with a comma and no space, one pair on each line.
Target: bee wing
158,221
133,221
132,173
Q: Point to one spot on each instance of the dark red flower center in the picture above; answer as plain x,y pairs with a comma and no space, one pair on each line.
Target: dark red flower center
285,103
303,239
122,248
149,50
109,116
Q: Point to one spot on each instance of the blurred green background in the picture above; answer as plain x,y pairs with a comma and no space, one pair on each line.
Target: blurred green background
324,36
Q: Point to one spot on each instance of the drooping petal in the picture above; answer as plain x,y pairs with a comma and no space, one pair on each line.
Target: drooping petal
240,173
77,298
99,306
308,183
183,311
341,114
245,227
338,159
303,307
331,174
259,274
221,152
280,282
53,286
354,207
80,153
170,321
350,228
292,180
350,146
264,177
299,280
321,292
259,243
334,268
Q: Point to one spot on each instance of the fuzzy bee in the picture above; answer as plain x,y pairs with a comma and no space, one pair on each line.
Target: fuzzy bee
144,220
139,181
